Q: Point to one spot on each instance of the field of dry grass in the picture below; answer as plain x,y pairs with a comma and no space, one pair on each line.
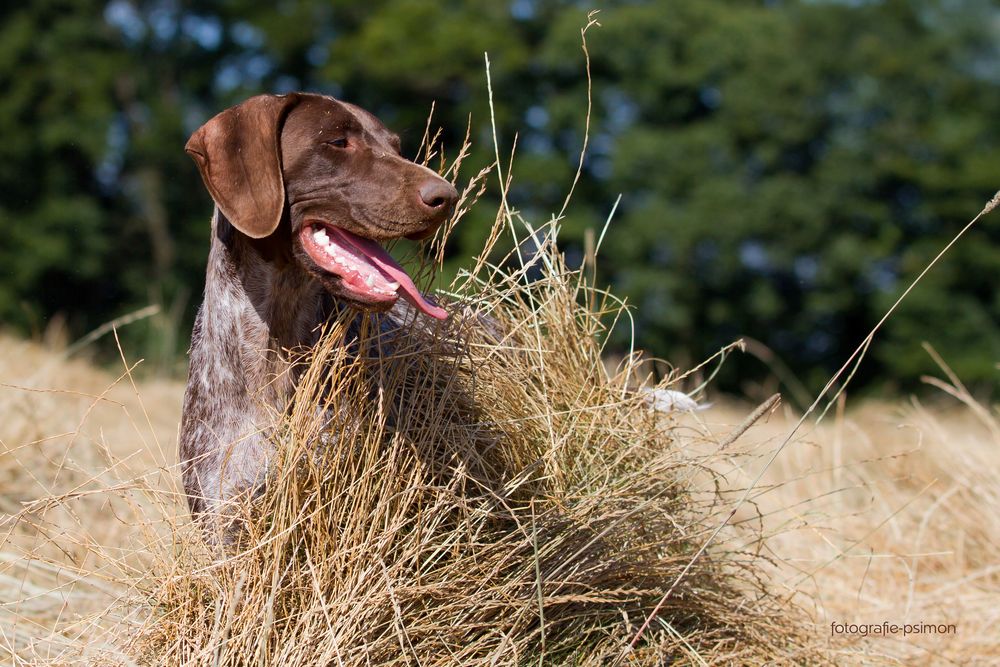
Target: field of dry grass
882,514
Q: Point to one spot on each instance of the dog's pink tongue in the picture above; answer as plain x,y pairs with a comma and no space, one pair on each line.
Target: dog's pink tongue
384,261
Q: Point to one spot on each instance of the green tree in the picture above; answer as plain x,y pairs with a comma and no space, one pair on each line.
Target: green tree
54,114
784,167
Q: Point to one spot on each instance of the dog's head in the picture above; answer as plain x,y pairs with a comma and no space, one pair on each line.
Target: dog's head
333,174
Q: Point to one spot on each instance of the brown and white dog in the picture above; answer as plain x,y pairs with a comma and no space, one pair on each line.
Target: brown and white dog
306,187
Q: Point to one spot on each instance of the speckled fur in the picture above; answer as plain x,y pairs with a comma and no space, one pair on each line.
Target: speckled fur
254,313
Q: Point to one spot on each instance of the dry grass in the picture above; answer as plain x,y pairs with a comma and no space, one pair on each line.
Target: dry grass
887,513
520,505
503,499
79,462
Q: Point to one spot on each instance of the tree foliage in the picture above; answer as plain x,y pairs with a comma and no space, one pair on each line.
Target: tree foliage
785,168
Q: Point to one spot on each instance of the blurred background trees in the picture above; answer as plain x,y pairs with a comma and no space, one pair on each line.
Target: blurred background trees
785,168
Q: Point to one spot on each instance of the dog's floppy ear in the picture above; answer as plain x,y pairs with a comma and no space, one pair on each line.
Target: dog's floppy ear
238,153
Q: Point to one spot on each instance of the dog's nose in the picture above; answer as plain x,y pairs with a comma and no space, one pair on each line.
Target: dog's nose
438,196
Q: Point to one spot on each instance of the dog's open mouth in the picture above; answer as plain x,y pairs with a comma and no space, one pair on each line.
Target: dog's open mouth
364,267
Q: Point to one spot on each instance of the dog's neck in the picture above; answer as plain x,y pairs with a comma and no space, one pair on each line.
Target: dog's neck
265,310
259,309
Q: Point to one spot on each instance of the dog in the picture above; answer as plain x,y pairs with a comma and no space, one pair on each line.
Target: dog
306,188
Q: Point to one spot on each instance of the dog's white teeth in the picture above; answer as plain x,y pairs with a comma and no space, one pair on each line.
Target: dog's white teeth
392,286
370,280
320,237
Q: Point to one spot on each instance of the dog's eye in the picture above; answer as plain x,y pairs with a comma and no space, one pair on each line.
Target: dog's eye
337,143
